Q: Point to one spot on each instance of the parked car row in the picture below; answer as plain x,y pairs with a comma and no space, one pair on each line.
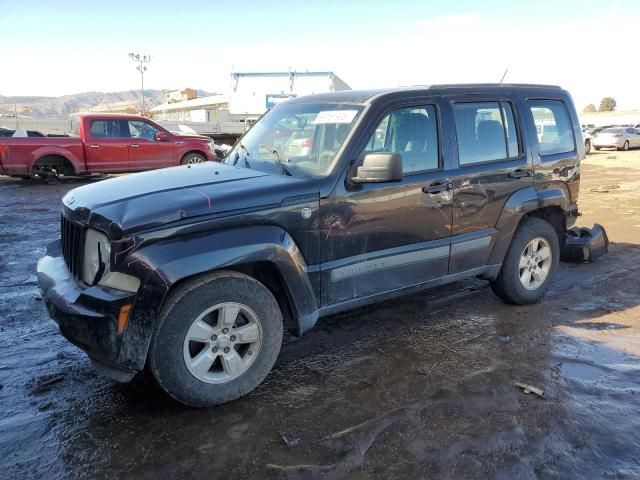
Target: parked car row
620,137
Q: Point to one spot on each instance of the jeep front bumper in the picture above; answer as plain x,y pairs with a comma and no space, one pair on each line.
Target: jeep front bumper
87,317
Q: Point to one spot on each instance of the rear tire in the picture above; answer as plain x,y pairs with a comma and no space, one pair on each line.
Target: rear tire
625,147
191,158
597,148
217,338
530,263
587,147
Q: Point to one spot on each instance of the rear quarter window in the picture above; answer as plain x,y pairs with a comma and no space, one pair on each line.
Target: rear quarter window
553,126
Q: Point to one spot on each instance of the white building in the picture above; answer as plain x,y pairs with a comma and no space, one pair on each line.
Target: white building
250,95
203,109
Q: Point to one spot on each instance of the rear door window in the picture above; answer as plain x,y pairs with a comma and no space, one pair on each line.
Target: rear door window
486,132
552,126
109,129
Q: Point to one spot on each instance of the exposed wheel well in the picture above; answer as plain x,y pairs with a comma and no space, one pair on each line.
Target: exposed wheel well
555,216
46,164
267,274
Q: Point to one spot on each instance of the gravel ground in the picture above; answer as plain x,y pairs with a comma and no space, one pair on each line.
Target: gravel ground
420,387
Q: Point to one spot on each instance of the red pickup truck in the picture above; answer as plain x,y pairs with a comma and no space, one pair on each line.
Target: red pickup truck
102,143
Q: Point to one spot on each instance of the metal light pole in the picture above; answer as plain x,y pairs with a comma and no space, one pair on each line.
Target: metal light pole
141,60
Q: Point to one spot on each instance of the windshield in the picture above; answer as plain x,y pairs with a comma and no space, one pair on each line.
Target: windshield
299,139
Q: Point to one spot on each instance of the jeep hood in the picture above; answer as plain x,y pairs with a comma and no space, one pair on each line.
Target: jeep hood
148,199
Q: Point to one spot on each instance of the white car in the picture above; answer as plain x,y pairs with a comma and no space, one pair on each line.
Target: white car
620,138
587,138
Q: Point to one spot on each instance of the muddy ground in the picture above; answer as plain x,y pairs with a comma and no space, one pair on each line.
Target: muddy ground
420,387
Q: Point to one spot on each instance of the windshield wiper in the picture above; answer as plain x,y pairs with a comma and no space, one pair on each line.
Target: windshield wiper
246,154
274,152
285,169
271,150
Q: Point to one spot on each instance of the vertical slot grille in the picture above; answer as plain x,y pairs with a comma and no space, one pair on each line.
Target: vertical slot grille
72,239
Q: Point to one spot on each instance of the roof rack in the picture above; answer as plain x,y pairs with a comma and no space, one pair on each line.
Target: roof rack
476,85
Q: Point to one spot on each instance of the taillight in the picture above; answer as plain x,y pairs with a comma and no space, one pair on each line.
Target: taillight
307,142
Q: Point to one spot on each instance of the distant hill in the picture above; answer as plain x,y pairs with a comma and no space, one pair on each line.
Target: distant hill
39,106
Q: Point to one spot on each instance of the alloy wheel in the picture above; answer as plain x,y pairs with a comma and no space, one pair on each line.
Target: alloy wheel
222,343
535,263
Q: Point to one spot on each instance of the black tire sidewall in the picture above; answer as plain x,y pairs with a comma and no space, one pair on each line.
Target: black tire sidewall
166,352
511,289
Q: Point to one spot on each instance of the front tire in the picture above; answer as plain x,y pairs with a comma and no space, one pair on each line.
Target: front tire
625,147
530,262
191,158
218,337
587,147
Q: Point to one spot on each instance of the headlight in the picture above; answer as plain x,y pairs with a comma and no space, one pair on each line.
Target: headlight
97,251
212,147
96,263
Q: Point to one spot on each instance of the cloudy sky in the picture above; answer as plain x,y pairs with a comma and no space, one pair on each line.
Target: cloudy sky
588,47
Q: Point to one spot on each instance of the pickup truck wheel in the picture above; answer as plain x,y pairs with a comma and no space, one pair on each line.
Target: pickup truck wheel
190,158
530,262
217,339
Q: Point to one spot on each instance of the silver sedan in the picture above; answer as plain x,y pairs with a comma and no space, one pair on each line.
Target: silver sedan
621,138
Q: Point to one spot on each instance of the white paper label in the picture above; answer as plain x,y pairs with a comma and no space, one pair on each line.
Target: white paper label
335,116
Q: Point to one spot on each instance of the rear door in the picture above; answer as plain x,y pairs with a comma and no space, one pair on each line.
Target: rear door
107,145
491,166
145,152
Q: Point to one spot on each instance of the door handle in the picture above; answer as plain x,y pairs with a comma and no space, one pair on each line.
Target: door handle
94,145
135,145
438,187
520,173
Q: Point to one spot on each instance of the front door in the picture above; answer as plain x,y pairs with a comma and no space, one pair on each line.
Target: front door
380,237
145,152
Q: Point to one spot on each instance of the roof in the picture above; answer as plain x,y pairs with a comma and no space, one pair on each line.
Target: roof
282,74
109,114
365,96
194,103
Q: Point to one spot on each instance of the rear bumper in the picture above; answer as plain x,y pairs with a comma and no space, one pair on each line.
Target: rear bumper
87,317
606,144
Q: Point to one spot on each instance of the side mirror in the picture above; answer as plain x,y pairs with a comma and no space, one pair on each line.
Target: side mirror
162,136
380,167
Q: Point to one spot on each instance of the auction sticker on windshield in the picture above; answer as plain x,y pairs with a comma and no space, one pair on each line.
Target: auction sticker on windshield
335,116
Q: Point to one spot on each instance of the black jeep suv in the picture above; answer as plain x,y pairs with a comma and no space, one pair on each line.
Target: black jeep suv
329,202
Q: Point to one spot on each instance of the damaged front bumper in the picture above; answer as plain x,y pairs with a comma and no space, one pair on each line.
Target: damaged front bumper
87,317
